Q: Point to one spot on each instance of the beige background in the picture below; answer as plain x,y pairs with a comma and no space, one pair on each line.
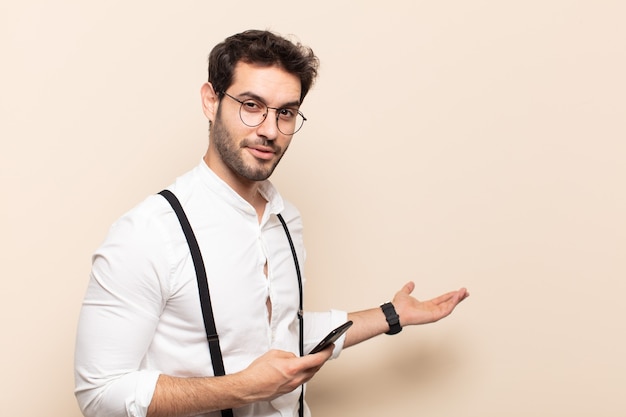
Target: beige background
456,143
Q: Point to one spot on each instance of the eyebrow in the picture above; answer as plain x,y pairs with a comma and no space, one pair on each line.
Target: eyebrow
254,96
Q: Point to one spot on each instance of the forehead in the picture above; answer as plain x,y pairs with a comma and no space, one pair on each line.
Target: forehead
271,83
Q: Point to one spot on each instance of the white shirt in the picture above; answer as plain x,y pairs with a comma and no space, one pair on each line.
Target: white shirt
141,314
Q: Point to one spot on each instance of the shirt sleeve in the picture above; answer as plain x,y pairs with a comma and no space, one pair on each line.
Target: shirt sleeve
318,324
127,291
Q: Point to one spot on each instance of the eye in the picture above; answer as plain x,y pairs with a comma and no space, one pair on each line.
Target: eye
287,113
252,106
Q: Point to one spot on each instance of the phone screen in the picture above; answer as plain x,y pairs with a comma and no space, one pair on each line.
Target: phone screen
331,337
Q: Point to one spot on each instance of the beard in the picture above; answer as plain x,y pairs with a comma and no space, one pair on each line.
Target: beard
231,152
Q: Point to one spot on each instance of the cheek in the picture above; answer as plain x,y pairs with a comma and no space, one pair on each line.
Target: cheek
284,142
228,130
237,130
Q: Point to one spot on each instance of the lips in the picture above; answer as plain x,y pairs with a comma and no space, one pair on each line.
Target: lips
262,152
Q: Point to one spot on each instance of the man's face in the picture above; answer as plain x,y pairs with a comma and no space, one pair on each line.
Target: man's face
240,152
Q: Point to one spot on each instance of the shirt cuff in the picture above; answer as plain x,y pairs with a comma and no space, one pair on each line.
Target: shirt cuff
318,324
146,381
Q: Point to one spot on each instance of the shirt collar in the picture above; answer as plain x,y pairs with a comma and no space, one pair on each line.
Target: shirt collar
274,205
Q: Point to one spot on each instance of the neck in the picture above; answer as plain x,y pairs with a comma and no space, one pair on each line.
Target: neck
248,190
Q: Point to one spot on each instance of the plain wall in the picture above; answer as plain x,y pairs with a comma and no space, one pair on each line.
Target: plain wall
454,143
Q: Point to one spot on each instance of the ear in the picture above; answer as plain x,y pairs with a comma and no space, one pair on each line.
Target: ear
210,101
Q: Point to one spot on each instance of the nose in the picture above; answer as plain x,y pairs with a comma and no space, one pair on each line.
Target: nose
269,128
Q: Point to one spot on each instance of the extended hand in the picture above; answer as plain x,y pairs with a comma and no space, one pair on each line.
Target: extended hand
413,311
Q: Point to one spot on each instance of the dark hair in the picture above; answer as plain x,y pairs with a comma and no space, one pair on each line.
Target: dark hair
263,48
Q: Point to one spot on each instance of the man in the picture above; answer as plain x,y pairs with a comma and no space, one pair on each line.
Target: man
141,346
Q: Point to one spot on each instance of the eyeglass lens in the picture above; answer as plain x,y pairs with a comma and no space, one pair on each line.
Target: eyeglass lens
253,113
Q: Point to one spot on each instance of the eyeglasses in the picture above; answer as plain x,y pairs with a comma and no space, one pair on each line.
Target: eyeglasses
254,112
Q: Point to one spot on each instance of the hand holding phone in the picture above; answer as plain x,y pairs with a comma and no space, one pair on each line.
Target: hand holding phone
331,337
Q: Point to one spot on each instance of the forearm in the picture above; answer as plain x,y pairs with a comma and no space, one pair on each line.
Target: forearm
182,397
269,376
367,324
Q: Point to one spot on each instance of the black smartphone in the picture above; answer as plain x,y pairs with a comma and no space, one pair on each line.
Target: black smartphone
331,337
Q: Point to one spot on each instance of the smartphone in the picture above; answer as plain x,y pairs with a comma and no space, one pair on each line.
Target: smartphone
331,337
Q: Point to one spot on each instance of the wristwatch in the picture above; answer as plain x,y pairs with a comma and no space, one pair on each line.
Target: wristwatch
392,318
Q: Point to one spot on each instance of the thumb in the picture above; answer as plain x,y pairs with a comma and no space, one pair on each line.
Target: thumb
408,288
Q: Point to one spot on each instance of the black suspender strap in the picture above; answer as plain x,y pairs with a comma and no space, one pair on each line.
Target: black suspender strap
300,309
205,299
203,289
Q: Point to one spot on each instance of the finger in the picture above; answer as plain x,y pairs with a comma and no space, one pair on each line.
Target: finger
465,293
444,298
317,359
408,287
462,294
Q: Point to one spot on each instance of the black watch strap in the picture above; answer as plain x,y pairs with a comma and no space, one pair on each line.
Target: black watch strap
392,318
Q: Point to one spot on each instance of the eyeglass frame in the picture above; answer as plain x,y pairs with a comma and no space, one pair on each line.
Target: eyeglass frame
242,102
